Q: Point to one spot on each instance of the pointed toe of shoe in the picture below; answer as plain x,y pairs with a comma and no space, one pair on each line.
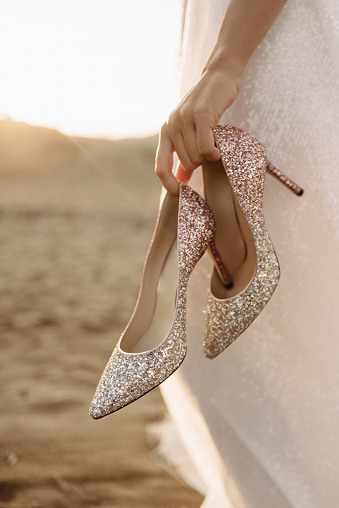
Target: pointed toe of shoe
127,377
211,349
114,390
97,412
104,404
105,399
214,344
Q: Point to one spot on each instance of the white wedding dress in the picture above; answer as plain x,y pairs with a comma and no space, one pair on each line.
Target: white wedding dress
261,421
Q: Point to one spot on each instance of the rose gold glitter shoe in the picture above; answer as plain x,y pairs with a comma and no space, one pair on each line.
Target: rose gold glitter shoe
153,344
234,190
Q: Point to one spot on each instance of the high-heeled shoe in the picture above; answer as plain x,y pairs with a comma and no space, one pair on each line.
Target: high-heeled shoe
153,344
246,266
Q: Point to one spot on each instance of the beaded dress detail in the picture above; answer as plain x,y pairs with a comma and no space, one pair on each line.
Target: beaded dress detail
270,402
129,376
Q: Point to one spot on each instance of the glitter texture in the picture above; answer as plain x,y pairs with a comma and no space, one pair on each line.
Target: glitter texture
284,179
128,376
245,162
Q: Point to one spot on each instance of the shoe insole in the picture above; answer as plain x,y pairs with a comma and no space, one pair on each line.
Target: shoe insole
154,312
233,237
164,308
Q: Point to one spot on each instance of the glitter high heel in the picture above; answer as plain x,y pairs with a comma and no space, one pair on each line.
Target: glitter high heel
234,190
140,362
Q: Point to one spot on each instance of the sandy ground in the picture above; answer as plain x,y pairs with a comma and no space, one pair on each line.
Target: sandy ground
76,218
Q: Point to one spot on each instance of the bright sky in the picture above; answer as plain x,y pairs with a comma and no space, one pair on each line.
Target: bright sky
89,67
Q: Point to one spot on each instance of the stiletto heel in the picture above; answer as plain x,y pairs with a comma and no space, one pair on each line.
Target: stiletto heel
234,190
284,179
153,344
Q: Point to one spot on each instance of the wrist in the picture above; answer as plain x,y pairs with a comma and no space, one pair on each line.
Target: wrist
223,63
224,69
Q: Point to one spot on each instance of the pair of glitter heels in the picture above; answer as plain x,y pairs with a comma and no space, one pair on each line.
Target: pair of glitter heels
245,275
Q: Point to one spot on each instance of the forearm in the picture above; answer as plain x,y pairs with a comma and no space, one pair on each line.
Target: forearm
245,24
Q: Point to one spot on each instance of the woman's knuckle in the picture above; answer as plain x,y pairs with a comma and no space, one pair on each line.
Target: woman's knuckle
174,124
159,170
197,159
185,114
164,129
204,150
202,112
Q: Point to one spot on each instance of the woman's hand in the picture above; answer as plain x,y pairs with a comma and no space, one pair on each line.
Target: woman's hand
189,129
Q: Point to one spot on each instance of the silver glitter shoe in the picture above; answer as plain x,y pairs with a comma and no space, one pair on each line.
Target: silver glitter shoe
234,190
153,344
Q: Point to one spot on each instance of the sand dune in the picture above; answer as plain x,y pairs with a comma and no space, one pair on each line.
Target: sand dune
76,217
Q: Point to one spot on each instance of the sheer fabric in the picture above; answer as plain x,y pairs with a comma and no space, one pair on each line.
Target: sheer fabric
261,421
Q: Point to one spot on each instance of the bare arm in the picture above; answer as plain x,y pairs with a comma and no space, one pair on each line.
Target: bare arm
189,129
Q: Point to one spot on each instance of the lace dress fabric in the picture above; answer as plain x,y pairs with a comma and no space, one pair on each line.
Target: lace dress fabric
261,421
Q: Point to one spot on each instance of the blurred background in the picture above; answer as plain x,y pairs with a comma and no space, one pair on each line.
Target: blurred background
90,68
84,89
